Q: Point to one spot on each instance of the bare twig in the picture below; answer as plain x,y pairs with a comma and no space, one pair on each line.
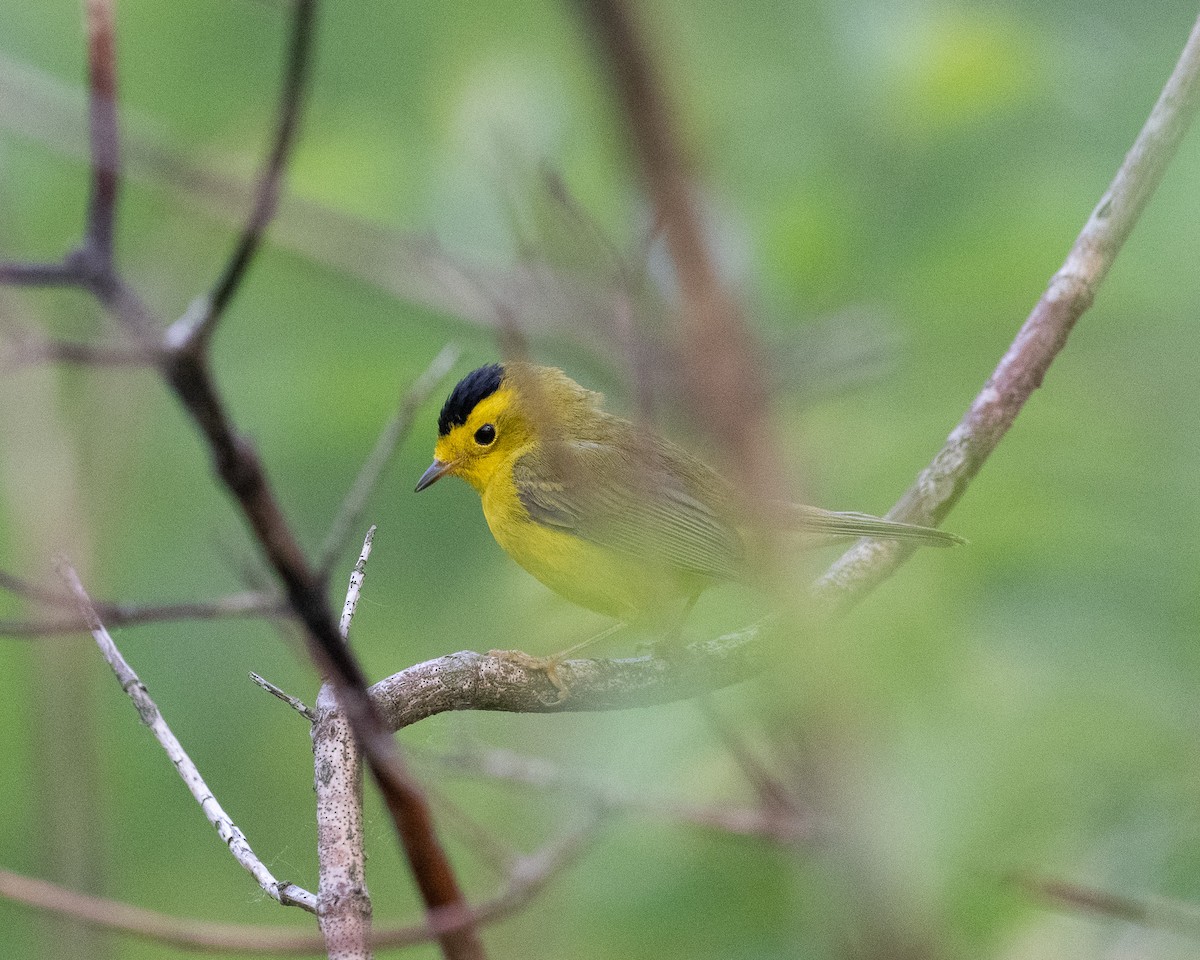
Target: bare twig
529,876
202,322
1021,370
287,894
294,702
344,904
393,435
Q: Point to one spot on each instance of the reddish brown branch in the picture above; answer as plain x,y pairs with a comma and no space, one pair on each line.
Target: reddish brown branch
105,138
239,469
722,367
186,369
185,366
266,194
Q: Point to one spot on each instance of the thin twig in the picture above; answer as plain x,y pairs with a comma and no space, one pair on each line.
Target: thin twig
1021,370
394,434
250,604
287,894
530,875
201,323
344,904
294,702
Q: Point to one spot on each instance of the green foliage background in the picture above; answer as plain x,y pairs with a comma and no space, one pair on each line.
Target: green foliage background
1027,703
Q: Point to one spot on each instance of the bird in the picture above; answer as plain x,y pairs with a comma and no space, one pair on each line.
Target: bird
603,511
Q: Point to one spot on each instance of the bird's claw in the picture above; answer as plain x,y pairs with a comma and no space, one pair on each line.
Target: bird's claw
547,665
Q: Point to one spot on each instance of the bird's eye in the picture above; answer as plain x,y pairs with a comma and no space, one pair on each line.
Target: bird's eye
485,435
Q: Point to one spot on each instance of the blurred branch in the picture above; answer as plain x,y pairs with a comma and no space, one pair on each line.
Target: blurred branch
772,793
287,894
184,364
1157,912
38,275
764,821
1021,370
97,249
384,452
344,905
472,681
23,351
722,366
528,877
249,604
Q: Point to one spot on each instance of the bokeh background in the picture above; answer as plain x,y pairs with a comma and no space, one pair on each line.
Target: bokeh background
890,187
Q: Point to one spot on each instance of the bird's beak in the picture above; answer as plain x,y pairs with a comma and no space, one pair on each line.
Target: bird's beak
436,471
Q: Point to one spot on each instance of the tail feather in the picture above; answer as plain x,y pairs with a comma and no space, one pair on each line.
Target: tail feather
835,523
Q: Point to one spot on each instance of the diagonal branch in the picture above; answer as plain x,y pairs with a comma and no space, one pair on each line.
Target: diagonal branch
1021,370
1157,912
204,316
529,876
384,452
287,894
471,681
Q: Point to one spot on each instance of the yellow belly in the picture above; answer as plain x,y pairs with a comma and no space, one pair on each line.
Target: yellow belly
592,576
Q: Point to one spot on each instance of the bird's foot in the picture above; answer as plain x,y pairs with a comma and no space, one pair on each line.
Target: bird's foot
547,665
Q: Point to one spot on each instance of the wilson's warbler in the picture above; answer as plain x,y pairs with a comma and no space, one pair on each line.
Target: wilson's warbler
603,512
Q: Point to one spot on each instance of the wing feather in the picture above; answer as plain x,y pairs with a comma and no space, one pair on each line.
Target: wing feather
649,501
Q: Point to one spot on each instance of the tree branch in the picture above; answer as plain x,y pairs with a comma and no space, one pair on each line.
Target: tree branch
722,366
203,318
475,681
114,614
1021,370
97,249
384,452
287,894
529,876
1156,912
472,681
344,905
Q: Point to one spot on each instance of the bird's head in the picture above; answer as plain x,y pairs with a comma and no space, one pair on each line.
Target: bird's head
496,411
